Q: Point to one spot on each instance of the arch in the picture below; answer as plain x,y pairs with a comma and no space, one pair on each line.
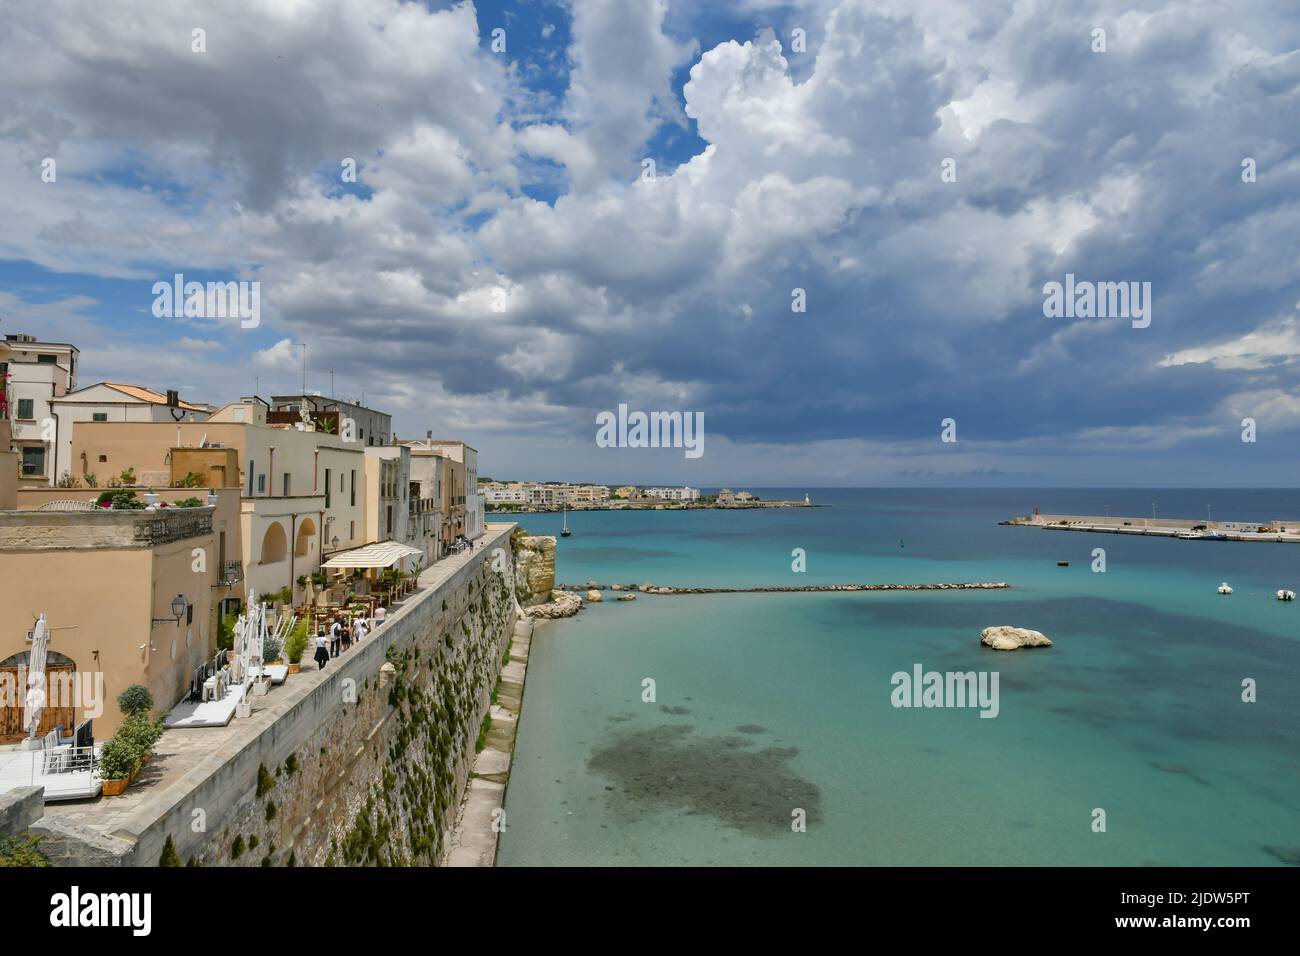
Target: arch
306,534
52,659
275,546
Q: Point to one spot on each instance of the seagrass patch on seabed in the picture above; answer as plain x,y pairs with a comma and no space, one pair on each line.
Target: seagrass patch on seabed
665,767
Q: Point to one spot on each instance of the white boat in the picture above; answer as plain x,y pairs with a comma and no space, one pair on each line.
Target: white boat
1224,589
565,532
1285,595
1189,535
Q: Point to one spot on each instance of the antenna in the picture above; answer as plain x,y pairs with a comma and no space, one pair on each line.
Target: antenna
304,367
333,394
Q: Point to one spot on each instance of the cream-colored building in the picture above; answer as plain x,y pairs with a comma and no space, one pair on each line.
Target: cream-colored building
302,492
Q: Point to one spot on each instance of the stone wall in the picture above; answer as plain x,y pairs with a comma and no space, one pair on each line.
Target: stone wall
365,766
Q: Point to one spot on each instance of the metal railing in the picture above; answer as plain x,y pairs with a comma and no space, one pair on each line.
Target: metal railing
62,770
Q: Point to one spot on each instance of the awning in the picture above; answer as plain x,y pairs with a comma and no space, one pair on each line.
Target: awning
382,555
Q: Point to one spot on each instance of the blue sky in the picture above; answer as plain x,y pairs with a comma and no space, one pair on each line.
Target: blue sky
501,271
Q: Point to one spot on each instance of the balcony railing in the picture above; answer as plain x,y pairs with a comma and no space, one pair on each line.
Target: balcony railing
232,572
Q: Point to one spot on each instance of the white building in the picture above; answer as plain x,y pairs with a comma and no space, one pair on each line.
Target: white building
32,374
672,494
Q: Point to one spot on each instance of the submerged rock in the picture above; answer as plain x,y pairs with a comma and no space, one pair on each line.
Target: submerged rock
593,596
627,597
1005,638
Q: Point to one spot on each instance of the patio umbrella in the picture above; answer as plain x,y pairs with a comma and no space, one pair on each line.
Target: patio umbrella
35,702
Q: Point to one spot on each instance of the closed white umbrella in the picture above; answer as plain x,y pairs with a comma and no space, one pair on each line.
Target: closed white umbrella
35,701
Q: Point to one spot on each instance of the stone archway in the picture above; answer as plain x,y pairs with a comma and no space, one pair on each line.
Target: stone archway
303,543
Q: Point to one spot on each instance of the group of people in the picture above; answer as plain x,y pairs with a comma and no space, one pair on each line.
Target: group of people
339,635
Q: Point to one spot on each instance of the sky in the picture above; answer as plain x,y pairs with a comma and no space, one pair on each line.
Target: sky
564,206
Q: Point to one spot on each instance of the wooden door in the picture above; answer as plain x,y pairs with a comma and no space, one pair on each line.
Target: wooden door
13,713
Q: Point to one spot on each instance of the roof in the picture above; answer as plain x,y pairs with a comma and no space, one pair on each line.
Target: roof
382,555
149,395
141,394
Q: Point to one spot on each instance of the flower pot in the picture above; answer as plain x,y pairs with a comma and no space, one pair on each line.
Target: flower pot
294,668
151,497
212,501
113,788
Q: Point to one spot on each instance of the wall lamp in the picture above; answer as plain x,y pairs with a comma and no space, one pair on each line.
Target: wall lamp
179,606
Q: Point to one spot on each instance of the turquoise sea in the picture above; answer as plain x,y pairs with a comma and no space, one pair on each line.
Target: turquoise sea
767,705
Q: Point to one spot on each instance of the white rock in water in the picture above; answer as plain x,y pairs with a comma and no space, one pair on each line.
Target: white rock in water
627,597
647,586
616,587
1006,638
593,596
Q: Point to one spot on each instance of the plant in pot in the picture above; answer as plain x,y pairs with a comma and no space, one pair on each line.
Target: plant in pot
118,760
142,733
272,649
296,646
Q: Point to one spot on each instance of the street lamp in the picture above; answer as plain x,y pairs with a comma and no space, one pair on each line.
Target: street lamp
179,606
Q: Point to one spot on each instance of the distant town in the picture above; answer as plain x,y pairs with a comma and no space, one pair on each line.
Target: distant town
538,496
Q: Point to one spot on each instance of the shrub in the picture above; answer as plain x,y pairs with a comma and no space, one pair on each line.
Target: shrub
136,699
272,648
226,632
189,503
127,477
118,758
141,732
265,782
296,645
169,855
192,479
22,851
122,500
91,480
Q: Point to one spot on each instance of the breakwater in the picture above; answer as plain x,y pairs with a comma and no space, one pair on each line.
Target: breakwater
1191,529
787,589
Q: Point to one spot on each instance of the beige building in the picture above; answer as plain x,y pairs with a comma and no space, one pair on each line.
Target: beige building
462,506
107,580
32,374
302,491
112,402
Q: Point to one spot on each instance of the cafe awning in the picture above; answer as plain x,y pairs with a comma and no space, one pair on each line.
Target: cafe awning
382,555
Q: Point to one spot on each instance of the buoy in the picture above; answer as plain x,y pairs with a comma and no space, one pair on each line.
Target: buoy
1224,589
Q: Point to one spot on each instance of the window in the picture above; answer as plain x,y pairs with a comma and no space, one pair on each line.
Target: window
261,484
285,492
45,358
354,487
26,410
252,467
99,417
352,530
33,460
327,487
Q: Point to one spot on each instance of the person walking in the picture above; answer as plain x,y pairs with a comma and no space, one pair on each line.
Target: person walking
358,629
322,650
334,638
379,616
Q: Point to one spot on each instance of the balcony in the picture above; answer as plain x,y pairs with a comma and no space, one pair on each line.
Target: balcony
230,574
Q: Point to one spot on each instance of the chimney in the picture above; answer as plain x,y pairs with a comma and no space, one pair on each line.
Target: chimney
173,397
428,436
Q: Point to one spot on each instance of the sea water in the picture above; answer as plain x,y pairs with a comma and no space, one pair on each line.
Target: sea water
770,736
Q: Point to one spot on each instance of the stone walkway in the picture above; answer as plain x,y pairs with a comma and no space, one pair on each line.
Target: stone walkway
474,840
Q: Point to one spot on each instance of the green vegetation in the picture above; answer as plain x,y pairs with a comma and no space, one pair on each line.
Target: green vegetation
169,855
121,500
192,479
123,754
136,699
482,733
265,782
291,764
22,851
189,503
237,848
226,632
296,645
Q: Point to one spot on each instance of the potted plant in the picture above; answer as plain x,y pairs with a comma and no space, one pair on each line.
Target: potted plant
141,733
296,646
212,497
117,762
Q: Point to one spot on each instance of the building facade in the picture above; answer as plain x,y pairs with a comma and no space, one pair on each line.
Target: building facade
32,375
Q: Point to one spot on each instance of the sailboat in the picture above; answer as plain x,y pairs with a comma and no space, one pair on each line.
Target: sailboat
565,532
